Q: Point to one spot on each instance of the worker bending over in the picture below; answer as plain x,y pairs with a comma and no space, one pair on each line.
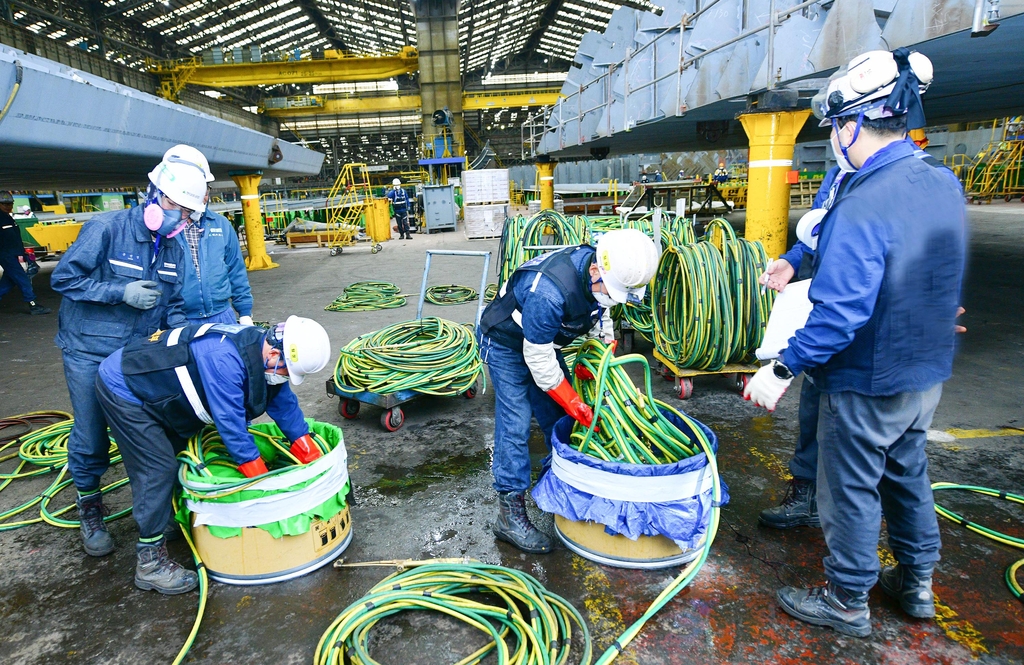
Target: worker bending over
878,343
159,391
121,281
546,304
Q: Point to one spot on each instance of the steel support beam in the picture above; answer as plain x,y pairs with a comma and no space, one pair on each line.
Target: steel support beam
249,185
471,101
437,37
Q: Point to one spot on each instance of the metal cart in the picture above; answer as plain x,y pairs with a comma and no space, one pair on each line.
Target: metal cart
393,417
684,387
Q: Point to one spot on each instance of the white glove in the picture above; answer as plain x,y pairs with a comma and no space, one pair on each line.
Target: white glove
245,321
765,388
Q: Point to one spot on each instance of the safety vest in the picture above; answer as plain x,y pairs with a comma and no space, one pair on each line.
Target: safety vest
502,321
162,372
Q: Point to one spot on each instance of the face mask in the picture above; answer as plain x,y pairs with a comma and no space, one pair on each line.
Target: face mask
167,223
274,379
844,164
604,300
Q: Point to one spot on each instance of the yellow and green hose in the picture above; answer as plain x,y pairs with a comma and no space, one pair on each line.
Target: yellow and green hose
1011,573
367,296
430,355
450,294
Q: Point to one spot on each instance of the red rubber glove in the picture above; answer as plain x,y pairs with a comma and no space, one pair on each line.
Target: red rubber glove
253,468
569,400
304,449
582,372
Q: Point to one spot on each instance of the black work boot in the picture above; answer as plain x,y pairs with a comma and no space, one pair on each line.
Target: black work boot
830,605
36,310
95,538
154,570
798,508
912,588
514,526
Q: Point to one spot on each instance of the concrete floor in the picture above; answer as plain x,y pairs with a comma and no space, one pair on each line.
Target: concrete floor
425,492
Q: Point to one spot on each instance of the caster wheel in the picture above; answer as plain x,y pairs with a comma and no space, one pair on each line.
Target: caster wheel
392,419
373,250
378,247
348,408
741,382
666,374
471,393
334,251
685,388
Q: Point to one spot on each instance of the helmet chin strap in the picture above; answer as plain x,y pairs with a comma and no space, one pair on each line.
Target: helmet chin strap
856,133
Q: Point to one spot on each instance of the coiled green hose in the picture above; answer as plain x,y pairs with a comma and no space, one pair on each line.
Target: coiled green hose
629,425
429,355
367,296
450,294
490,292
517,611
545,228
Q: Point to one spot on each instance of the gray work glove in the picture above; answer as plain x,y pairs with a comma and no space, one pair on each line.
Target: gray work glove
141,294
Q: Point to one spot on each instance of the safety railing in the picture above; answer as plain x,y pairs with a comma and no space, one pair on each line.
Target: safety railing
563,110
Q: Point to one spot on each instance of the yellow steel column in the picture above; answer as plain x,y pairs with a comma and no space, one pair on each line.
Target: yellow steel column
772,135
546,175
249,184
919,138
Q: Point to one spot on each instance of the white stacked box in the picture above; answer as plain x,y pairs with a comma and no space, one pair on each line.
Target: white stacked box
485,186
485,221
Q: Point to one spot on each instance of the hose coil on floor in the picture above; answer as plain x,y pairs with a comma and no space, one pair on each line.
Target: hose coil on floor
367,296
450,294
519,612
429,355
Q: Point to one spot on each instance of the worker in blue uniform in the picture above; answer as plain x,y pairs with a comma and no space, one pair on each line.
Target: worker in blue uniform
547,303
121,280
215,284
878,343
799,506
11,249
159,391
400,203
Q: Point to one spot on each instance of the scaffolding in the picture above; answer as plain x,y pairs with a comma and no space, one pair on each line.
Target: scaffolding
996,171
346,206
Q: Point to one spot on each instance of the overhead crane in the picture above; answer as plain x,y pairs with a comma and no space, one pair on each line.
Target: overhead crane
308,105
335,67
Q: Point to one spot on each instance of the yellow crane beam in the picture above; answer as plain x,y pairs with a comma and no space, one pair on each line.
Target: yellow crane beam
335,69
309,105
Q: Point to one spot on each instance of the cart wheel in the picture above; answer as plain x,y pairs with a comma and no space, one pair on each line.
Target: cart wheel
666,374
685,388
374,249
348,408
627,342
741,382
392,419
378,247
471,393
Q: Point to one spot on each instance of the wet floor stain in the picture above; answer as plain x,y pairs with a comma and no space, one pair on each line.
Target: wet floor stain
400,479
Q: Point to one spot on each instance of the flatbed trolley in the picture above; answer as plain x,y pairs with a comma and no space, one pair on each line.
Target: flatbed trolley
393,416
740,372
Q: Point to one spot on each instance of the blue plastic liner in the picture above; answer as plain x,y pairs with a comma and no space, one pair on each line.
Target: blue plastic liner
685,522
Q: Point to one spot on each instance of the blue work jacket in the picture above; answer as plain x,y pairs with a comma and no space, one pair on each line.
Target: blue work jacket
887,277
112,250
222,281
399,199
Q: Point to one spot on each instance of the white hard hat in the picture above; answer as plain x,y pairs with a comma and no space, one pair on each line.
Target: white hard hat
864,85
188,154
809,227
183,181
627,260
396,181
306,348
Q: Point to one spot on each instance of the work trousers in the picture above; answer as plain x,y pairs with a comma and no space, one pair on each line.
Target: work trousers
402,218
227,316
15,276
149,457
804,463
517,400
88,444
872,461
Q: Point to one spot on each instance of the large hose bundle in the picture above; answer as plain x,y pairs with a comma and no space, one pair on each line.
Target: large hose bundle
629,425
545,228
429,355
367,296
710,308
517,610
